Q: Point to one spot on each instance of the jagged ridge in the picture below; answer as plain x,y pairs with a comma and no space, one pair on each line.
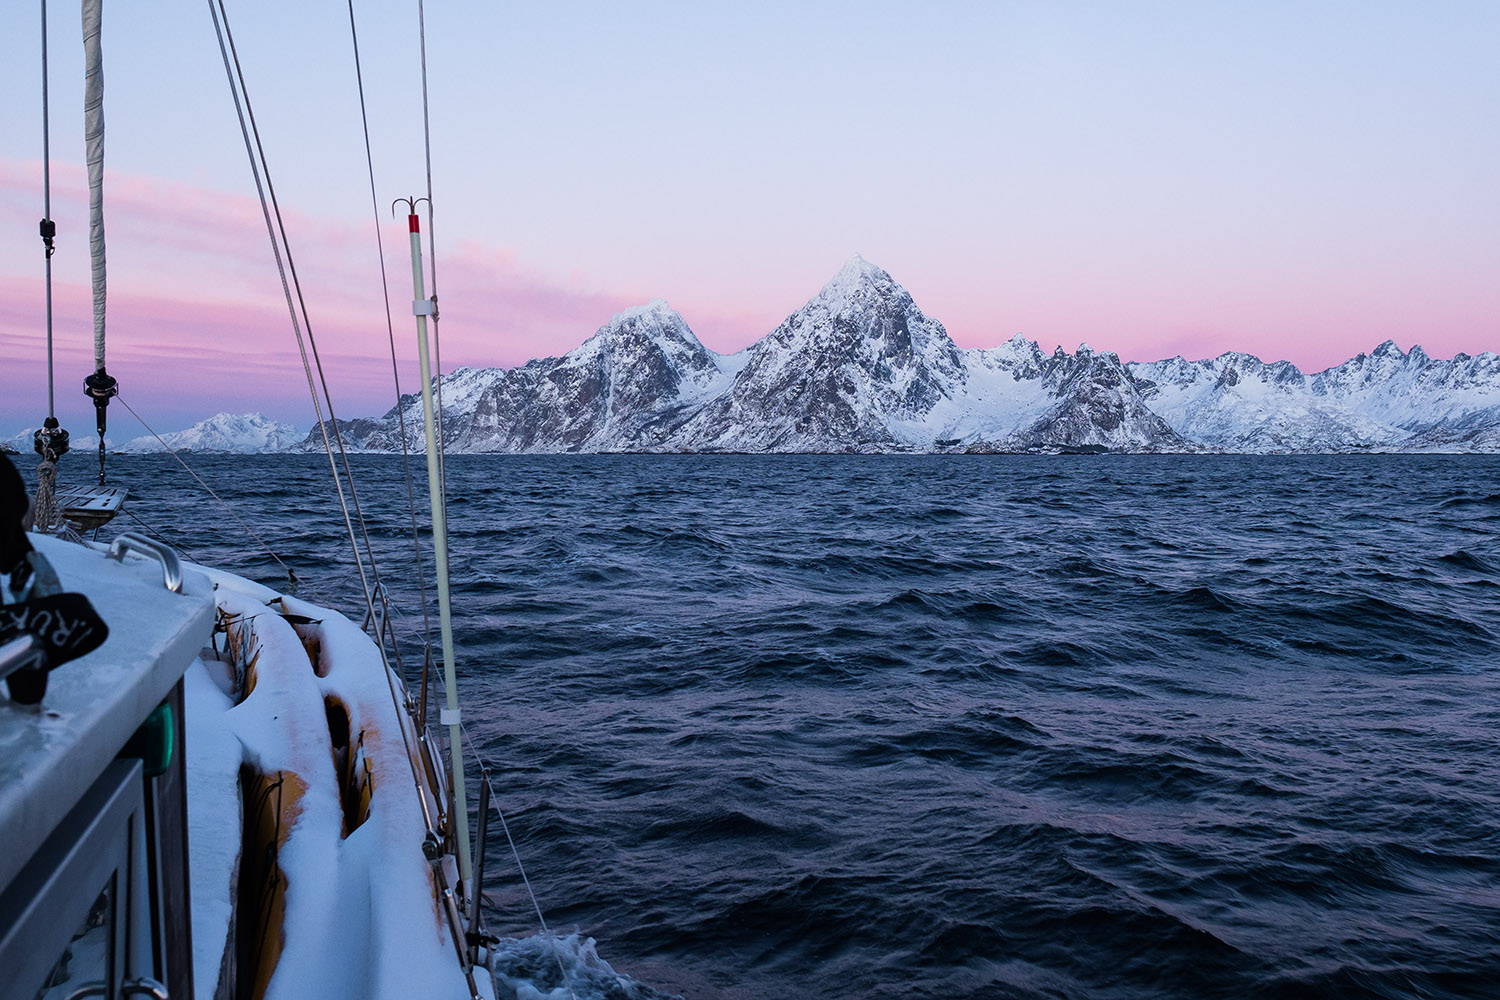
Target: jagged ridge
861,368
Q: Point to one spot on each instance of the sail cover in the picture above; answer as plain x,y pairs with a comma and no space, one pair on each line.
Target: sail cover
93,135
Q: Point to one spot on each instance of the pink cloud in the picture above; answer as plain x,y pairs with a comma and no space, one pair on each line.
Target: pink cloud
198,323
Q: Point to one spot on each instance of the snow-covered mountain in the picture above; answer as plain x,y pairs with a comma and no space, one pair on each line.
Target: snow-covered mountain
1092,401
861,368
1387,400
240,434
626,388
858,368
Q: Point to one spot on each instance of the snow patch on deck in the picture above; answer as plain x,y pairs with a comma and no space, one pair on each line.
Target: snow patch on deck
361,917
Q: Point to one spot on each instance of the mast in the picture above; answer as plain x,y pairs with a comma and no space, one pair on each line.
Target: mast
422,307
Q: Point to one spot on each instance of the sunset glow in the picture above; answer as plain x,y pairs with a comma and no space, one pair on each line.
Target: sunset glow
1299,184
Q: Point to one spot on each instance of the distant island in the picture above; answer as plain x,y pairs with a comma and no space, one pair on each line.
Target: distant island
861,369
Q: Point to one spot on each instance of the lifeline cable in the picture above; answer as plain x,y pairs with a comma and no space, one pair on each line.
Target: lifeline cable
160,535
153,531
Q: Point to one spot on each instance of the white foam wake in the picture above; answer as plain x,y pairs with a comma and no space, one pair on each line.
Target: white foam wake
560,967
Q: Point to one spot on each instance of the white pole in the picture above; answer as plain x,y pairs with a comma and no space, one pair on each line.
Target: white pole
422,307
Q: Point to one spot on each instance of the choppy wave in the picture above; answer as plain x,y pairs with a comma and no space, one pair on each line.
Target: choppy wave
552,967
878,727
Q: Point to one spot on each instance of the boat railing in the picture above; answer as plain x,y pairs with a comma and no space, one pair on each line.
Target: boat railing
171,565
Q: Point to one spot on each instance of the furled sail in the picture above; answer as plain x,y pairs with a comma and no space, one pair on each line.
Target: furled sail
93,135
101,387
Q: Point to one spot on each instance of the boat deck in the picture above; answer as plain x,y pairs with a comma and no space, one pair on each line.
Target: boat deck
50,757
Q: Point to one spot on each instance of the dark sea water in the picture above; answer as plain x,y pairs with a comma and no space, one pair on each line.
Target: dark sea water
850,727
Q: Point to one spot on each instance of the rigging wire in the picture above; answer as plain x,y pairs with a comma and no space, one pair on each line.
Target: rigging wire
50,440
160,535
48,227
312,341
411,501
484,772
443,472
401,416
377,620
439,444
174,539
226,32
256,168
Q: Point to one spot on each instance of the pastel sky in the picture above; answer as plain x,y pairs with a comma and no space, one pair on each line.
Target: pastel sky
1300,180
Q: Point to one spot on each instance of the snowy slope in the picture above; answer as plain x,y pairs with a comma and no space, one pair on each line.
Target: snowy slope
1452,404
624,389
862,368
1094,403
1387,400
241,434
858,368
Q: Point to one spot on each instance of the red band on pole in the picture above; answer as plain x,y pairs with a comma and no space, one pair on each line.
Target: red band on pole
414,223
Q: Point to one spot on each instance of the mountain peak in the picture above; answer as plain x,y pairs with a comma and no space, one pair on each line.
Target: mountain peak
650,344
856,279
857,264
654,320
656,307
